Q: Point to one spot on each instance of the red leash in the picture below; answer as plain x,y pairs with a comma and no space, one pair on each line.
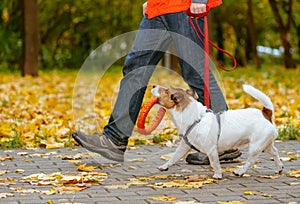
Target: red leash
206,65
206,44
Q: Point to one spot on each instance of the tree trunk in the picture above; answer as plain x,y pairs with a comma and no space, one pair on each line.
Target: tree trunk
30,38
220,42
252,35
284,31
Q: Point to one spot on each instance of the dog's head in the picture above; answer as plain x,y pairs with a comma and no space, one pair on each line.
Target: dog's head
174,97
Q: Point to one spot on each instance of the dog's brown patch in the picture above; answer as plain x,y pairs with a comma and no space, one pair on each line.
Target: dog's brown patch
267,114
175,97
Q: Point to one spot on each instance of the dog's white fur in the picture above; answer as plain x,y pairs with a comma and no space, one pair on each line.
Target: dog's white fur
238,128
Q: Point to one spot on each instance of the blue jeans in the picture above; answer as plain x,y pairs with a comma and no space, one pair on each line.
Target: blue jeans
152,40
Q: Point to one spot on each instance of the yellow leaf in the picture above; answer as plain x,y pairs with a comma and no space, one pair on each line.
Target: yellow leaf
250,193
49,202
293,157
269,176
137,183
20,171
139,160
85,168
294,173
164,198
3,172
131,142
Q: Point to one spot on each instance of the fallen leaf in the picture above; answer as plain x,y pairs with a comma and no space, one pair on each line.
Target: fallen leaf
49,202
20,171
285,159
3,172
294,183
51,191
71,157
266,195
131,167
68,189
7,181
163,198
138,160
269,176
257,193
137,183
7,158
294,173
250,193
22,153
51,144
293,157
5,195
118,186
25,191
85,168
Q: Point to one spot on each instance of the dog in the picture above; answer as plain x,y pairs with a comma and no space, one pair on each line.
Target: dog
199,127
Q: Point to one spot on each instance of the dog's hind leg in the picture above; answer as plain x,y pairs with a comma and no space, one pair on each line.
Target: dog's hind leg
181,150
254,151
272,150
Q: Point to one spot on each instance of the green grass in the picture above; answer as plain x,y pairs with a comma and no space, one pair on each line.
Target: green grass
289,132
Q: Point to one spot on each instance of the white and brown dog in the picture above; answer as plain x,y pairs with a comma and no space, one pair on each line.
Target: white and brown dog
200,128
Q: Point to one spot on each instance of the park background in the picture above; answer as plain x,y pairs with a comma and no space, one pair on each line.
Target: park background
44,44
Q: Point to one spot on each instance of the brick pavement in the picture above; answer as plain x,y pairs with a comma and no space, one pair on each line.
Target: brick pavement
138,180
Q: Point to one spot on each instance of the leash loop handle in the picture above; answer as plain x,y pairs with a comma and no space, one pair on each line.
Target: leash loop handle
198,15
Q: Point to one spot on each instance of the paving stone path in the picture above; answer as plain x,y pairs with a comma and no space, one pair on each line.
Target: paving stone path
137,180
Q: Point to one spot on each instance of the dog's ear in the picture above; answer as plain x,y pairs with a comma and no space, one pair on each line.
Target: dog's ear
192,93
177,97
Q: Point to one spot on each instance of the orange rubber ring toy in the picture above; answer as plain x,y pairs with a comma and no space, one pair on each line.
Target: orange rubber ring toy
143,115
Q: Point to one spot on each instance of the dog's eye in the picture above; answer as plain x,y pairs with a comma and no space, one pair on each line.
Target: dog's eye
167,91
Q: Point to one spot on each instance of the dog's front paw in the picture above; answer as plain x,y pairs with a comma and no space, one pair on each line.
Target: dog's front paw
280,170
163,168
217,176
239,172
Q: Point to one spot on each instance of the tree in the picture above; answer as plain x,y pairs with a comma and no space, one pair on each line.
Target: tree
252,35
284,31
30,38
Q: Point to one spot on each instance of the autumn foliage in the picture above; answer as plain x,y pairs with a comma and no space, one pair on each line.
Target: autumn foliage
37,112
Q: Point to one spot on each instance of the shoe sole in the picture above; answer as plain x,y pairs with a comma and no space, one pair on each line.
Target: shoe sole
226,156
105,152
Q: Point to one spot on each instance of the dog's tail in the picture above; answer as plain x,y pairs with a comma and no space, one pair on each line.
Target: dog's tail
257,94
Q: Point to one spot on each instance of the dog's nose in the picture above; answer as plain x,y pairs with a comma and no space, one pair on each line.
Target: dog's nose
153,86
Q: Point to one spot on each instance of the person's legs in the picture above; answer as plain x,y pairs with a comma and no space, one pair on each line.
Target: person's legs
148,48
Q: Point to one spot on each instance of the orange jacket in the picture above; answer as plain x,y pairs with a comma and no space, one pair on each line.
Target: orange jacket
159,7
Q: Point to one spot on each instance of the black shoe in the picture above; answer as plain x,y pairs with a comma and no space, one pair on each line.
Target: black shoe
101,144
202,159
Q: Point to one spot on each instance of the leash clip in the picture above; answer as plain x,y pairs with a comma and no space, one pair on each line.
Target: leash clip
198,15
